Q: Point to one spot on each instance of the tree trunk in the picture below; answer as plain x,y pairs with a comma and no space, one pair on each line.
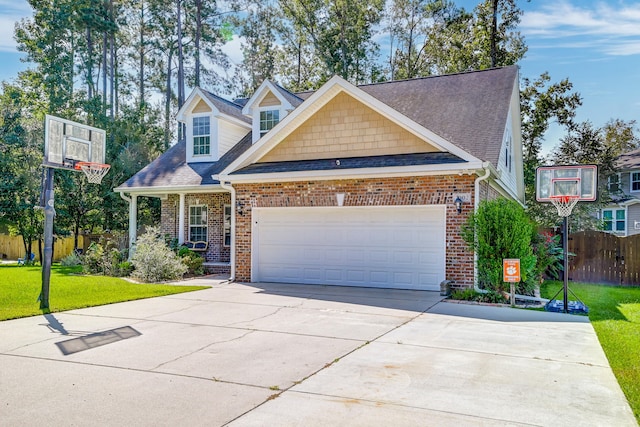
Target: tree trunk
141,54
181,135
494,33
89,64
197,40
167,103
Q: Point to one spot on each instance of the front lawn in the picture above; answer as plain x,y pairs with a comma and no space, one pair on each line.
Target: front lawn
614,312
21,286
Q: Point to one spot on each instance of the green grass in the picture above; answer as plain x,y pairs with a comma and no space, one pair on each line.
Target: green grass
68,289
614,312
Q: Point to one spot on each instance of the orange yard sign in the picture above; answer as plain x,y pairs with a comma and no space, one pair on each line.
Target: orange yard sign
511,270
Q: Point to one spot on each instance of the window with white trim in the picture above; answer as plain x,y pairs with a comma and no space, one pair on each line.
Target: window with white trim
268,119
635,181
201,136
198,223
613,183
227,225
508,153
614,220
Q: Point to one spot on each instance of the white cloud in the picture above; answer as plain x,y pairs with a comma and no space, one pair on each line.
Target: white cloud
11,11
601,26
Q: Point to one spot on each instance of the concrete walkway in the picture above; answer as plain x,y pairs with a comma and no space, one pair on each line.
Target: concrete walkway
296,355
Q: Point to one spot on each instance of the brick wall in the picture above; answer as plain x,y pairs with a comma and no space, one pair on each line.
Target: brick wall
429,190
216,251
487,192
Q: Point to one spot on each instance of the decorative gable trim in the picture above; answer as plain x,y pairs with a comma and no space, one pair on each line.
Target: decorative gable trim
318,100
195,98
267,87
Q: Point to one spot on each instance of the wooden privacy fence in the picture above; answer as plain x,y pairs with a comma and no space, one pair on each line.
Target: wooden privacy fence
604,258
12,248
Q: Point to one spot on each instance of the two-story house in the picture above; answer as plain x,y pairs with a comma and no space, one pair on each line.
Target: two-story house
347,185
622,216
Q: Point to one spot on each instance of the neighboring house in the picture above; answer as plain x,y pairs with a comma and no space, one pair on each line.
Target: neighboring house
347,185
622,216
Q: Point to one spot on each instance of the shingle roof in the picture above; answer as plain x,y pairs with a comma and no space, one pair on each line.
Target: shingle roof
171,168
351,163
293,99
629,160
227,107
468,109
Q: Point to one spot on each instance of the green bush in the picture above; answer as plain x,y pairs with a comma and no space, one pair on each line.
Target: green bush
124,269
501,229
71,260
192,260
470,294
154,261
550,256
103,258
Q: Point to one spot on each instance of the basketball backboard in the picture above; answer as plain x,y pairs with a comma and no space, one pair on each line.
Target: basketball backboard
579,181
67,143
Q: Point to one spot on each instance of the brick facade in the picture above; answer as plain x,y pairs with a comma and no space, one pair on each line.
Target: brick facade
427,190
216,250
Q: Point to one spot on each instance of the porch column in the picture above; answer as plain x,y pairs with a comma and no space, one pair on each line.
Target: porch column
133,220
181,220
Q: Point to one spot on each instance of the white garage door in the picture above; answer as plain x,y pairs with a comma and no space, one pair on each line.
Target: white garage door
386,247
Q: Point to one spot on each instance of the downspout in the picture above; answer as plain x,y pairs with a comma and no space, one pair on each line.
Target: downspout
476,203
128,200
232,250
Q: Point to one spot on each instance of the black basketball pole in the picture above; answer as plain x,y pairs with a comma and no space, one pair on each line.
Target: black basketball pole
565,246
49,214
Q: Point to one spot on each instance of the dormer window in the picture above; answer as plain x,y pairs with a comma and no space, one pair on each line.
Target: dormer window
268,119
201,136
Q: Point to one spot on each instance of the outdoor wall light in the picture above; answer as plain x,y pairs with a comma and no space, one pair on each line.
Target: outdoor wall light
458,202
239,208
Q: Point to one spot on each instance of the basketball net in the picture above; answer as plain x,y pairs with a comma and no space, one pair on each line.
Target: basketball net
93,171
564,204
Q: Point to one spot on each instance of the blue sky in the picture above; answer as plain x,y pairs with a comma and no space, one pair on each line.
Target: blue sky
596,44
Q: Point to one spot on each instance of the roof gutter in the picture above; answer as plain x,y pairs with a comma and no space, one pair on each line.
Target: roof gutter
486,166
232,252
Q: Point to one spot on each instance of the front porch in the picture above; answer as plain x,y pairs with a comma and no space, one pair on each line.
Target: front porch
204,218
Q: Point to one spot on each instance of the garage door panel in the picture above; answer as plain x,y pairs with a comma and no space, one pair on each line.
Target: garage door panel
401,247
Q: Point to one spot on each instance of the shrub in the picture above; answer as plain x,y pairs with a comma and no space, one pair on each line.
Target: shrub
71,260
154,261
192,260
550,256
501,229
124,269
470,294
103,258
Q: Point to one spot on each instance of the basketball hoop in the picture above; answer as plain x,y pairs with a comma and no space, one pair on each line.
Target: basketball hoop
564,204
93,171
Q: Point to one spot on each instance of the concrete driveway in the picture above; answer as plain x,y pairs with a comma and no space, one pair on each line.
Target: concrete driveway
287,355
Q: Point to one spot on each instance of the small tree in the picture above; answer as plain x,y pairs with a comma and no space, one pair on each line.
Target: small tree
154,261
501,229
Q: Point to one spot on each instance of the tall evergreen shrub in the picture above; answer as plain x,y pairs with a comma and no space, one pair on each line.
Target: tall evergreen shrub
501,229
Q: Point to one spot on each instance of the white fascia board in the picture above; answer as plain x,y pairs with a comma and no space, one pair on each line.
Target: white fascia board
187,106
628,202
260,93
167,189
320,98
417,170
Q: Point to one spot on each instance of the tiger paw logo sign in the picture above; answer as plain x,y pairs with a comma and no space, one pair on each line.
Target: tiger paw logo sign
511,270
